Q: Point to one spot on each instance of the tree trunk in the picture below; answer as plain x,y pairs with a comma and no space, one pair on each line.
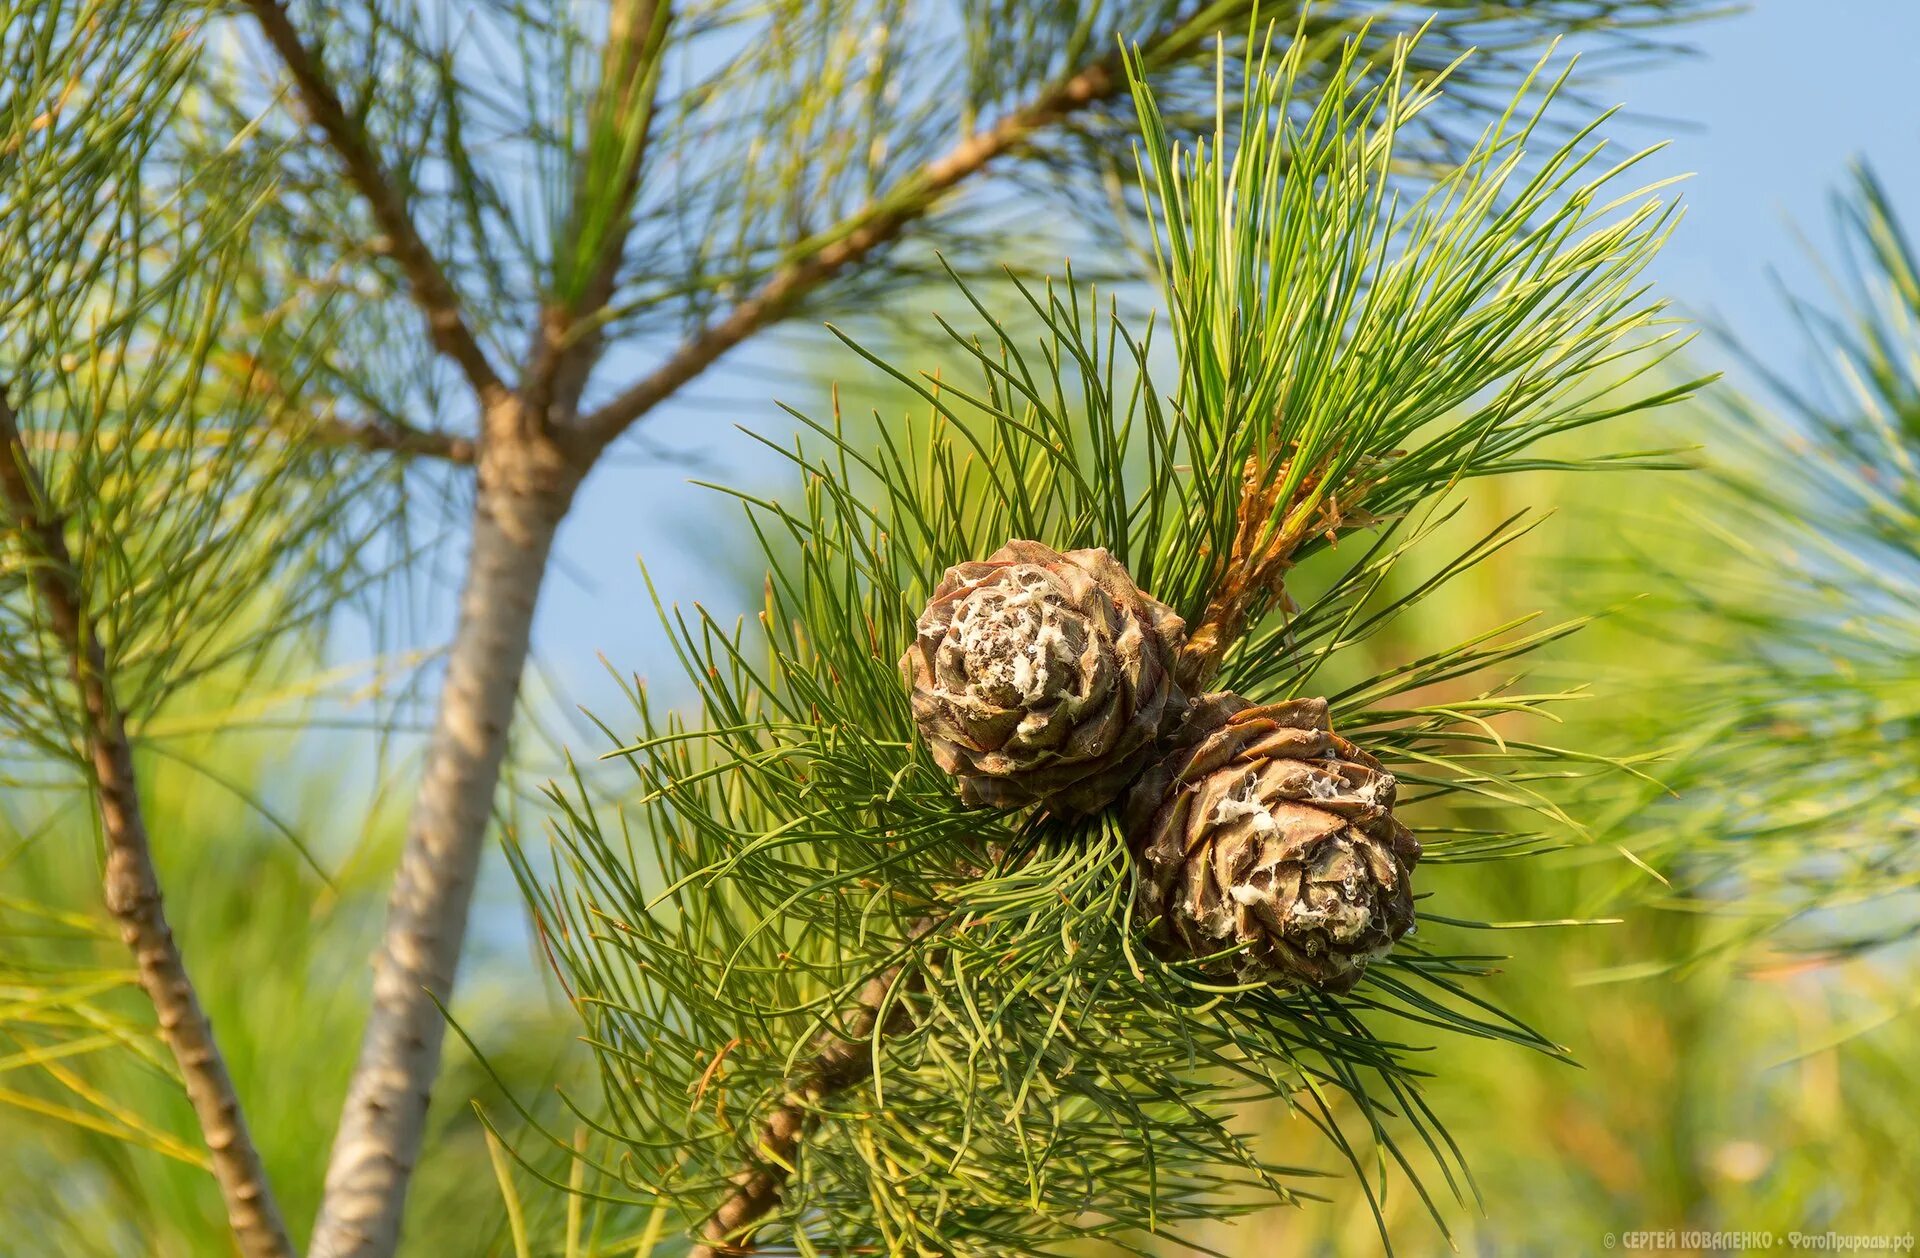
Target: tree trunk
522,495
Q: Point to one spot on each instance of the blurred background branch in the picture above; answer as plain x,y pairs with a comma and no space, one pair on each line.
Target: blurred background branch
132,887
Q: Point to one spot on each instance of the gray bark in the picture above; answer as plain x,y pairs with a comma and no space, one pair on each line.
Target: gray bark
518,508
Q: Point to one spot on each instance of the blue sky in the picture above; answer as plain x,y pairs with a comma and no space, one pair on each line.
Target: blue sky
1766,118
1781,100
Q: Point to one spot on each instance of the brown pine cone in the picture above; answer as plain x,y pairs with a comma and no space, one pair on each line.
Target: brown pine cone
1264,828
1043,678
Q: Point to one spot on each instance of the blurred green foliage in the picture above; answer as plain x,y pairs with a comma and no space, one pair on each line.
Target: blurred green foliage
99,1152
1721,1079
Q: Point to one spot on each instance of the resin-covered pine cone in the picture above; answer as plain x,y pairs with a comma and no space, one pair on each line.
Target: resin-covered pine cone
1043,678
1264,828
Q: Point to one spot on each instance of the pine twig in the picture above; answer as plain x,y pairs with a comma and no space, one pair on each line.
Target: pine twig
636,36
1250,578
132,885
379,435
431,289
844,1060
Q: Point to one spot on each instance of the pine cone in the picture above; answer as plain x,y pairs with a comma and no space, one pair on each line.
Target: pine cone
1264,828
1043,678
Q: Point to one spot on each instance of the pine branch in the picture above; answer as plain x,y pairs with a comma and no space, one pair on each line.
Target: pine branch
844,1061
1062,1080
132,886
393,436
526,487
846,245
431,290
